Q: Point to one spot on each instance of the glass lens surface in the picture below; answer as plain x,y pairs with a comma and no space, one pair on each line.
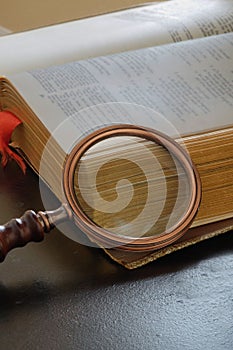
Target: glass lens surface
132,187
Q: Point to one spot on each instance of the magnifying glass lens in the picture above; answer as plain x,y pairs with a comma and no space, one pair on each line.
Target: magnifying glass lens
133,190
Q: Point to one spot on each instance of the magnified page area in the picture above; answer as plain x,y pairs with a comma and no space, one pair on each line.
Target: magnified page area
133,187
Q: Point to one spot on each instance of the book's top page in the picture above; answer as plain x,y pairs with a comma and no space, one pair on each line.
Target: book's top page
188,84
145,26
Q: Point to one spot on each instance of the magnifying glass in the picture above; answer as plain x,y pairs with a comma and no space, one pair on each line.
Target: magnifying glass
125,186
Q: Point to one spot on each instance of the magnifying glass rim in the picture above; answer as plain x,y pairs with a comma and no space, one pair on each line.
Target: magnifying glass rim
107,238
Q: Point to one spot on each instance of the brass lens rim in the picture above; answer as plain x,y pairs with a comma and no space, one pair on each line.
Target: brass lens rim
106,238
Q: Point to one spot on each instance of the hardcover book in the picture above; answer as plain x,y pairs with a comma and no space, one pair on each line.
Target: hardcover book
174,58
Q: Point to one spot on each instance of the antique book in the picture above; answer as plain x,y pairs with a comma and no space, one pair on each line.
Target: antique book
173,58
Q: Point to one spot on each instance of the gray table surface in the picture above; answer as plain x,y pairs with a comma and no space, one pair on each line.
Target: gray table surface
60,295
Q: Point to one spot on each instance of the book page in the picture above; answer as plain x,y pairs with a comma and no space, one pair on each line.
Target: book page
188,83
145,26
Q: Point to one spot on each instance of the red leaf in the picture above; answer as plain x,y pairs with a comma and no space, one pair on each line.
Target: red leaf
8,123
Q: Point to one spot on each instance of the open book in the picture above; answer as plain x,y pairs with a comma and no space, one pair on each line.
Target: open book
140,57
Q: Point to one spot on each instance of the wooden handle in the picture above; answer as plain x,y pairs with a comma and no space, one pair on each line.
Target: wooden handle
19,232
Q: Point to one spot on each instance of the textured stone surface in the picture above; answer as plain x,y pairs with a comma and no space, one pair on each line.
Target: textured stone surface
60,295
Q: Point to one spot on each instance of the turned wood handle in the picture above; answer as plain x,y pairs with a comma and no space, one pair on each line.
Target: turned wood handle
19,232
